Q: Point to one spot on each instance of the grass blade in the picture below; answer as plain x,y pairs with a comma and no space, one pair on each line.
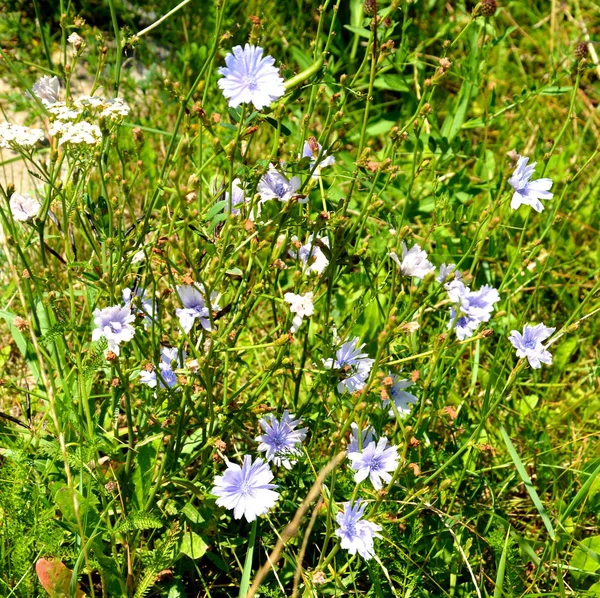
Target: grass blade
528,484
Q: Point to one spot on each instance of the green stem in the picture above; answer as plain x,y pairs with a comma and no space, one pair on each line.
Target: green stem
245,584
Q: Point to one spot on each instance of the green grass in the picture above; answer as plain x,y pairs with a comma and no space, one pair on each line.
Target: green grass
497,491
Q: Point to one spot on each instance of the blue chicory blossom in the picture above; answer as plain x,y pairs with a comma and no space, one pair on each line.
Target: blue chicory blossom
235,199
247,489
356,534
355,365
470,308
529,344
375,462
445,271
168,377
147,303
402,400
310,254
250,78
312,149
526,191
367,436
194,307
281,441
274,185
114,323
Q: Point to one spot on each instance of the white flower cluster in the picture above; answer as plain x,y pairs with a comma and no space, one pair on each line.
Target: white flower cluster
78,133
19,137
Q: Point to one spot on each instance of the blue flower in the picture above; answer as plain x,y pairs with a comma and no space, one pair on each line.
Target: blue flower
471,308
529,344
194,307
356,366
367,436
247,489
310,254
312,149
356,534
147,303
528,192
281,441
274,185
445,271
114,324
236,198
375,462
167,374
402,400
414,261
248,77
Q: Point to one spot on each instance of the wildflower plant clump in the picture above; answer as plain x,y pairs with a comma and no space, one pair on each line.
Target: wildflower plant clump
277,290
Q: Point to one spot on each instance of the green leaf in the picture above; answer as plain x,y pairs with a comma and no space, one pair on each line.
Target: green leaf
86,509
528,403
193,545
25,347
143,473
361,31
192,514
392,83
555,90
528,484
216,209
588,487
274,124
586,557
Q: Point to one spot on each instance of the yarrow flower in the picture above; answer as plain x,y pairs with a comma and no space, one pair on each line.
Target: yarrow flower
248,77
19,137
355,365
310,254
367,436
302,306
63,112
47,89
312,149
402,400
89,102
375,462
274,185
23,207
247,489
356,534
167,374
114,324
529,344
115,110
80,133
471,308
281,441
528,192
414,262
194,307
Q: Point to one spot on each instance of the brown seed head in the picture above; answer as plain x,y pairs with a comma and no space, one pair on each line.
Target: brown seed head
370,7
486,8
20,323
581,51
